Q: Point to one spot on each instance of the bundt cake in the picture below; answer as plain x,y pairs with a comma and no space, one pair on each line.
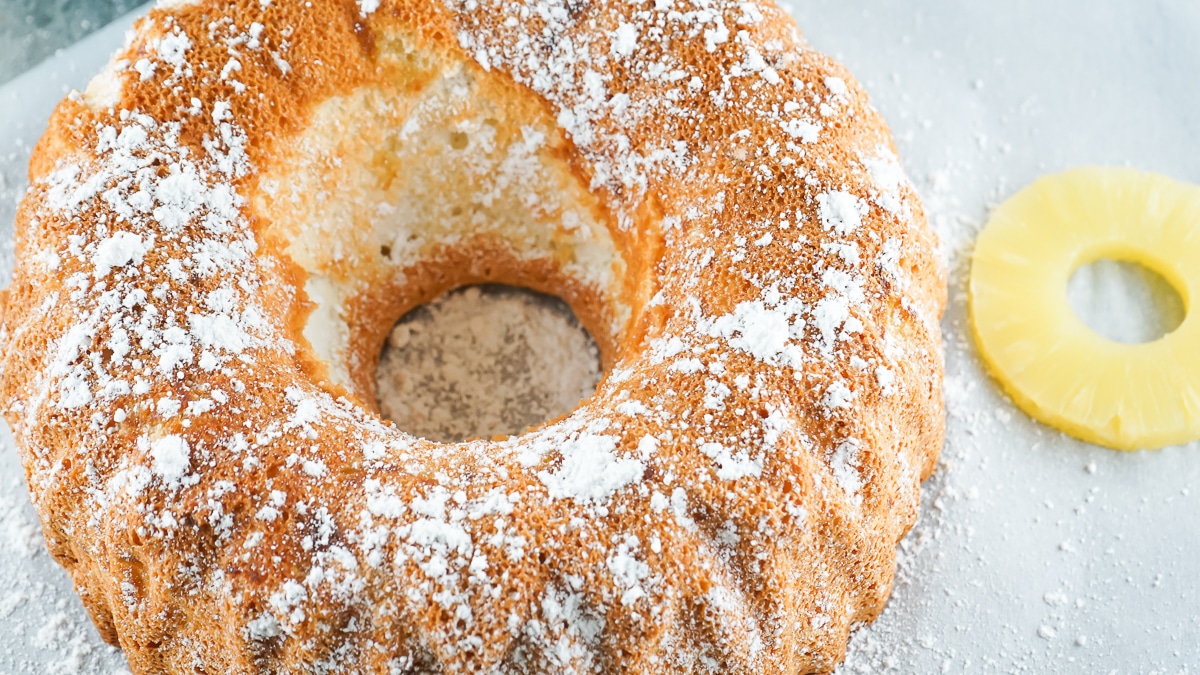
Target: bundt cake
222,229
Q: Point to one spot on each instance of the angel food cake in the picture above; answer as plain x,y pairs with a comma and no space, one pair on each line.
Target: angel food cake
222,230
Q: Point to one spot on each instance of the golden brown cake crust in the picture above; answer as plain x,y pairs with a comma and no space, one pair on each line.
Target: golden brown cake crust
728,501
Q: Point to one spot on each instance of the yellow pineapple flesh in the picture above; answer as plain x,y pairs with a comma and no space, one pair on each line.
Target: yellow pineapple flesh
1053,365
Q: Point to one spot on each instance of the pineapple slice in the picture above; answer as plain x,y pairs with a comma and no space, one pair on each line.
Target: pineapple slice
1056,368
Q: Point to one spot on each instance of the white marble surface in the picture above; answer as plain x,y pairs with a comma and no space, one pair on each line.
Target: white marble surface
31,30
1035,553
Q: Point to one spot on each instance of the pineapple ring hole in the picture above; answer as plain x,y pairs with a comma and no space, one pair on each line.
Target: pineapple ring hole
1125,301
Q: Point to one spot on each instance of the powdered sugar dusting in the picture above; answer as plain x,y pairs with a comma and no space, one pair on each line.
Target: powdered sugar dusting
171,459
841,212
590,470
117,251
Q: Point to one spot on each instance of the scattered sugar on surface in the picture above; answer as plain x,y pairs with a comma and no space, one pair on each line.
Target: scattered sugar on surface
485,361
42,610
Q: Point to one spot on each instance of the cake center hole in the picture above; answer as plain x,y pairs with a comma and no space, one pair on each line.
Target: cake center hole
484,361
1124,301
